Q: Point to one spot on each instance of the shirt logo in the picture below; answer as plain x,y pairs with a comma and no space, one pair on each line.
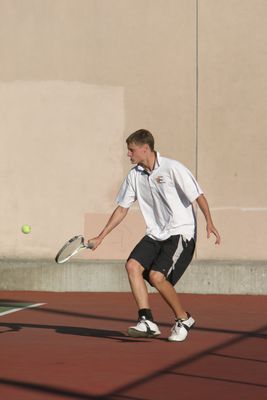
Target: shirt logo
160,179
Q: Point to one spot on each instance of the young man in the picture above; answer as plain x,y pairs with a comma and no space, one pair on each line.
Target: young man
165,190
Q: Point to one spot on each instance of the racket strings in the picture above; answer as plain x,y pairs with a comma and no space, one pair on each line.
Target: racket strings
70,249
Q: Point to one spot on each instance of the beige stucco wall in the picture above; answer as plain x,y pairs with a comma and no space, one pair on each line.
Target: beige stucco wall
56,160
87,73
232,124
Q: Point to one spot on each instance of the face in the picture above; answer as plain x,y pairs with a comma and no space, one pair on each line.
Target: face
137,153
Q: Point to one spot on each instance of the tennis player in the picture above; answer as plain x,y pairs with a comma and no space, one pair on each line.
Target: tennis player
165,190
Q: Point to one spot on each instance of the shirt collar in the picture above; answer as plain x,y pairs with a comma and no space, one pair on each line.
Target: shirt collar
157,163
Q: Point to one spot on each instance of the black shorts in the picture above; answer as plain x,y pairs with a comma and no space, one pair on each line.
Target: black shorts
171,257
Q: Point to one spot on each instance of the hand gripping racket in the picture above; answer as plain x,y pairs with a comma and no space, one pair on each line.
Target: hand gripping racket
72,247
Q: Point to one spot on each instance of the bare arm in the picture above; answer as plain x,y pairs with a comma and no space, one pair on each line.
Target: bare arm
203,205
116,217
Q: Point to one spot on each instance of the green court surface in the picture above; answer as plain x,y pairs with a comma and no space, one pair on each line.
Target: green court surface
7,307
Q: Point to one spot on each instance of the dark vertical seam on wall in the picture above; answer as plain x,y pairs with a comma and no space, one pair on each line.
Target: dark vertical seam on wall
196,109
196,133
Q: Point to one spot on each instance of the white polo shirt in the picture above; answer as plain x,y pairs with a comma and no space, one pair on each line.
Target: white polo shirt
165,198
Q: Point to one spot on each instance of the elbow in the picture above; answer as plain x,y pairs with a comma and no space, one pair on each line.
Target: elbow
123,210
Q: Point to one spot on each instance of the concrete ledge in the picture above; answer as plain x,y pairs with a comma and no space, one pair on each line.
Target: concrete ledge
221,277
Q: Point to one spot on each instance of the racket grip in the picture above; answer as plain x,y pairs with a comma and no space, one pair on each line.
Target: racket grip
89,245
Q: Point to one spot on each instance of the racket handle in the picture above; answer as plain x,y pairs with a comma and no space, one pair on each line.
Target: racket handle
89,245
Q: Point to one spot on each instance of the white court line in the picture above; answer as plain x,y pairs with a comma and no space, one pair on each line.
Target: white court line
20,308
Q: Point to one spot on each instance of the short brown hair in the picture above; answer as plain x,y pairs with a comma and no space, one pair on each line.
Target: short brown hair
142,136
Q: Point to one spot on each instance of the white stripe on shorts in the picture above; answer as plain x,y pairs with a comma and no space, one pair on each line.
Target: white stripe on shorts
177,254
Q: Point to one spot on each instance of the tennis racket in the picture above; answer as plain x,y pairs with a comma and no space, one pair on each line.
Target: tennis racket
72,247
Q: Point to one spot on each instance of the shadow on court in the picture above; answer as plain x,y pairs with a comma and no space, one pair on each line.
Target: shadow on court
72,330
98,332
61,351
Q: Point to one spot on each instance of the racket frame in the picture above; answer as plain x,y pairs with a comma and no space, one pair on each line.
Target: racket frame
65,246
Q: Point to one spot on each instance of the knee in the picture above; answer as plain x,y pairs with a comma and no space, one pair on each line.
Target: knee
133,267
156,278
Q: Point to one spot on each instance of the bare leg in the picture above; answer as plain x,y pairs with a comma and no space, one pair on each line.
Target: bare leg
168,293
137,283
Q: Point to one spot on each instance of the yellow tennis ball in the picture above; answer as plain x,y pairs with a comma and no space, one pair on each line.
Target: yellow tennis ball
26,228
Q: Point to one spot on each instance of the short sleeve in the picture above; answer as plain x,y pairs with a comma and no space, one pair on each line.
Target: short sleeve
185,181
127,194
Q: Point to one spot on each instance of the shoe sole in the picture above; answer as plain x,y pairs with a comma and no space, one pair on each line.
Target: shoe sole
137,334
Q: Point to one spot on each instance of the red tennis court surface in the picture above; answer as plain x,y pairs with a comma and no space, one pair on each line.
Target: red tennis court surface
75,347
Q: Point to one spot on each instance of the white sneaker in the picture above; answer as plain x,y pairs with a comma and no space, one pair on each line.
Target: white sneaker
180,329
144,328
